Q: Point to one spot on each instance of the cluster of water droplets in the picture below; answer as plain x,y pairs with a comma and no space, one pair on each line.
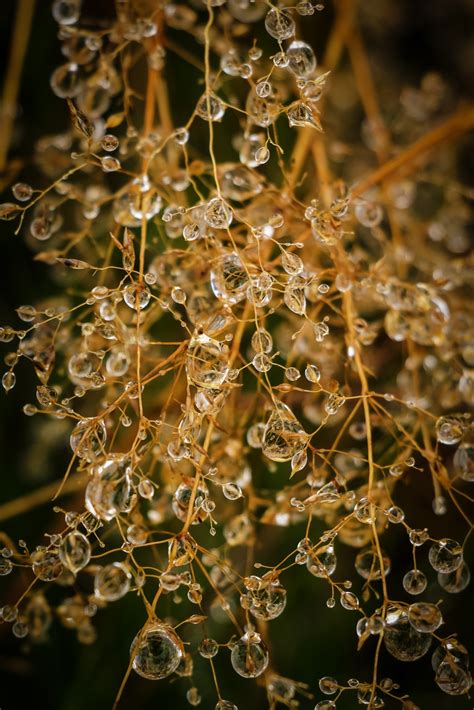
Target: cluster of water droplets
212,380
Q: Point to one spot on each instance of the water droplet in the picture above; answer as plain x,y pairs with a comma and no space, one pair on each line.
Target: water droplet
136,296
6,567
208,648
182,499
445,555
112,582
225,705
424,617
450,662
182,550
232,491
88,439
322,562
283,435
312,373
455,581
279,24
66,12
66,81
75,551
109,142
20,630
218,214
210,108
156,652
328,685
414,582
395,515
449,430
8,381
349,601
367,564
249,656
266,600
401,639
229,279
146,489
109,491
109,164
418,537
22,191
301,59
46,564
304,116
368,214
463,461
207,361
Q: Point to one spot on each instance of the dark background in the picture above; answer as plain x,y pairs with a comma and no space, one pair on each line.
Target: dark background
309,640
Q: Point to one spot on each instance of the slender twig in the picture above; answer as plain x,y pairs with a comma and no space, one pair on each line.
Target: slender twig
21,33
459,123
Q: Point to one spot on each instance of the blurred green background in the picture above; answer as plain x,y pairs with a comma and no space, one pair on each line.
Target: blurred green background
309,640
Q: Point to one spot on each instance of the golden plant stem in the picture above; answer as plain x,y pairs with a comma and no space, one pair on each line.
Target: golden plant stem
233,355
234,352
122,685
368,95
322,168
166,117
459,123
21,33
150,101
248,307
335,46
411,347
219,594
184,54
42,495
349,314
367,91
147,128
375,670
113,406
332,450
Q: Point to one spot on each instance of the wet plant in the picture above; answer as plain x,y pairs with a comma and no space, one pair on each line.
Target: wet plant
258,329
